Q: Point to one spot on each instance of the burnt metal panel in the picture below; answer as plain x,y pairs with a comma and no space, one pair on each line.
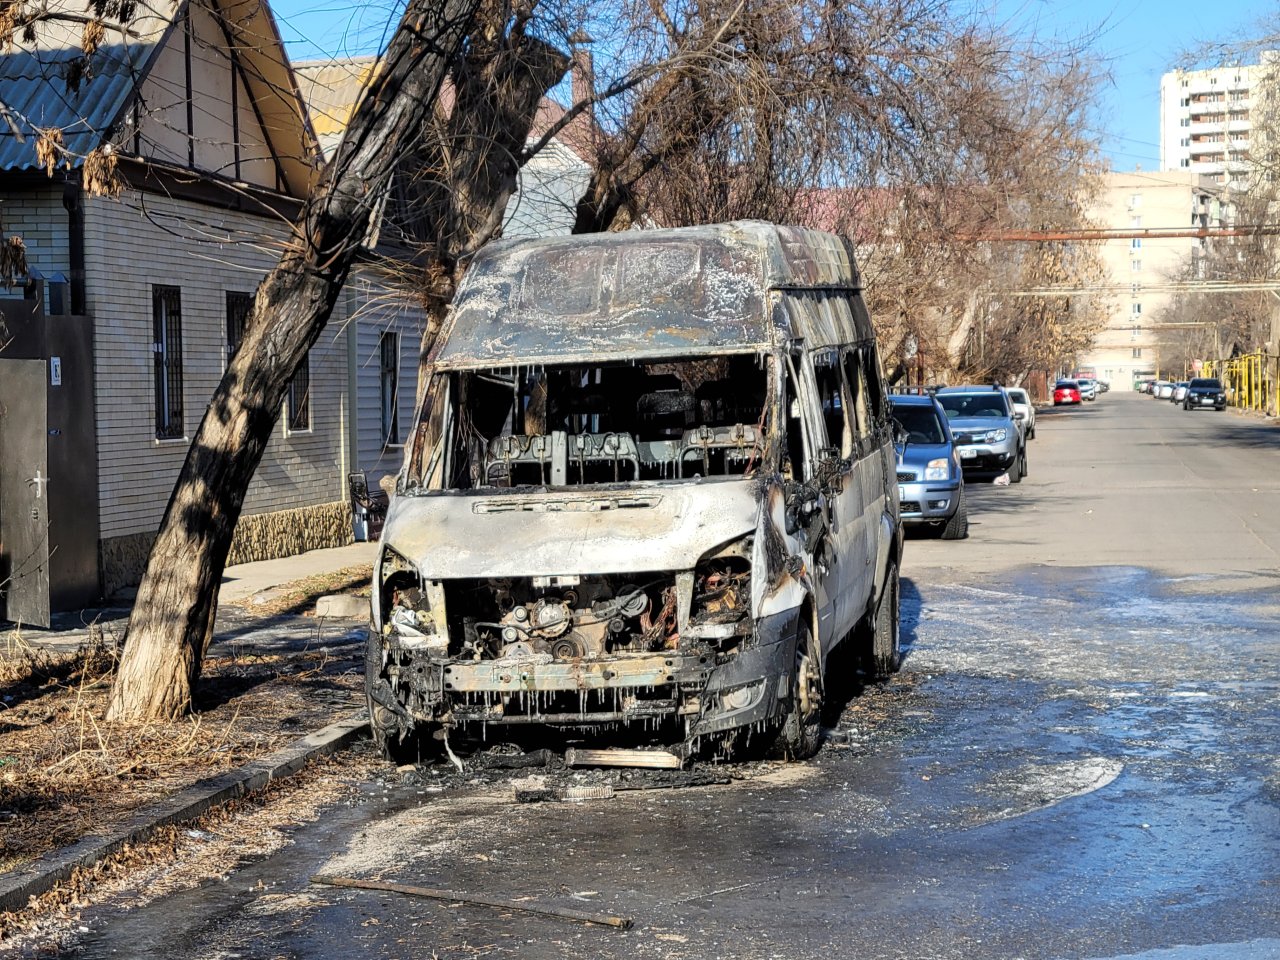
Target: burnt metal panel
642,293
24,494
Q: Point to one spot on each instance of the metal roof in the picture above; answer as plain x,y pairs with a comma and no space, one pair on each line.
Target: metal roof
34,87
330,89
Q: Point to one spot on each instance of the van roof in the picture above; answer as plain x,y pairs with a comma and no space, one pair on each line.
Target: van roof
646,293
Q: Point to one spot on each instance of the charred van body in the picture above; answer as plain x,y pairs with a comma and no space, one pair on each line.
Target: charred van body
647,495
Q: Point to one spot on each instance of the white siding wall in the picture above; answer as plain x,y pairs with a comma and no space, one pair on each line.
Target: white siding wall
129,246
546,200
382,311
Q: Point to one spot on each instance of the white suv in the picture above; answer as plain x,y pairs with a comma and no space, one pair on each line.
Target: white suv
1022,404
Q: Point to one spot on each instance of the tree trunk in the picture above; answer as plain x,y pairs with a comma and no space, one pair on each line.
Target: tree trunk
173,618
497,91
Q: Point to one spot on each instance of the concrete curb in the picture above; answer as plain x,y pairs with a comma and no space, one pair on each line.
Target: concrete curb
42,875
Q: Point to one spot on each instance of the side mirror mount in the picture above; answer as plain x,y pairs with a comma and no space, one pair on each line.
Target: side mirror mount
1019,415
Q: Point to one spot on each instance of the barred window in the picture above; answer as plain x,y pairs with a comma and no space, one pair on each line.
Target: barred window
299,398
166,349
238,307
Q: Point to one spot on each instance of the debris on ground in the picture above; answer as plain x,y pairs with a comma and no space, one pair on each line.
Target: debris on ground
455,896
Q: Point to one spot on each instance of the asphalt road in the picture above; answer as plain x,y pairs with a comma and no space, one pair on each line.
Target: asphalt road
1078,760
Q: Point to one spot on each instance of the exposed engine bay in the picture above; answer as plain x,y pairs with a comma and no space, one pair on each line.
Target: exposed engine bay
560,650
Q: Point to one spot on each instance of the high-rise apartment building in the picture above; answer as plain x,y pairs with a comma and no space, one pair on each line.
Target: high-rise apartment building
1139,270
1208,119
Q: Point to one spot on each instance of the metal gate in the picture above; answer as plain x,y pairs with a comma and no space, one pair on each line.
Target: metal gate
24,497
48,465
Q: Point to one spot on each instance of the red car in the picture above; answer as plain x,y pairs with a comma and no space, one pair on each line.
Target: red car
1066,392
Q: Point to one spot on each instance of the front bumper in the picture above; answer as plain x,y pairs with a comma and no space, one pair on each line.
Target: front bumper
988,458
928,502
1217,403
708,691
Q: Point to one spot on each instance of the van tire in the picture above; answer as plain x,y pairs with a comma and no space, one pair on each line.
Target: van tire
800,735
384,725
886,654
957,525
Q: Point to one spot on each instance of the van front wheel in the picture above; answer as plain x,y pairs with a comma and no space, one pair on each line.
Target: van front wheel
801,732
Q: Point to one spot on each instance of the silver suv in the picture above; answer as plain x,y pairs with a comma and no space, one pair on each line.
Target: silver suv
987,431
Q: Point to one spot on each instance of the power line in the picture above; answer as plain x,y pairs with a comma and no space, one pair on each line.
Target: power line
1135,233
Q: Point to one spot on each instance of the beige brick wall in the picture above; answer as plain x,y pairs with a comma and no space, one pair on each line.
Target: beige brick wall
39,218
135,242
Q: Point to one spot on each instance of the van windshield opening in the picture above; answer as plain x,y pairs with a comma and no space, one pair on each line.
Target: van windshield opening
583,424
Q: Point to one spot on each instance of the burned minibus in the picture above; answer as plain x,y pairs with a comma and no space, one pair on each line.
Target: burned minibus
649,492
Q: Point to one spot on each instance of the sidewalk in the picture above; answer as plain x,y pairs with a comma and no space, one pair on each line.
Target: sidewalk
245,588
245,580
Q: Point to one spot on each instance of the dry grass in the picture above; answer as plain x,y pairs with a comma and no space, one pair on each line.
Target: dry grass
179,857
65,773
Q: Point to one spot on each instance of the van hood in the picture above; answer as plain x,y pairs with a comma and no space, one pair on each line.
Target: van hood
634,529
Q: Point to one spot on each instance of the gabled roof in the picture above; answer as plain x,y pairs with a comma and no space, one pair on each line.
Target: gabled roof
38,86
35,88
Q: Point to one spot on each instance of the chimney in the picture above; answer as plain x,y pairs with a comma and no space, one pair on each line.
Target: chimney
584,78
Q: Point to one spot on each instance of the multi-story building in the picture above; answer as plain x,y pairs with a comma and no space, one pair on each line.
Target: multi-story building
1209,119
1141,269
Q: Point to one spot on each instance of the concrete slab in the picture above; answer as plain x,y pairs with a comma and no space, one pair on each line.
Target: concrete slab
343,606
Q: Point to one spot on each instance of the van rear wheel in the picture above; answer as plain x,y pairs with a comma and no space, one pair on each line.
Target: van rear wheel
886,655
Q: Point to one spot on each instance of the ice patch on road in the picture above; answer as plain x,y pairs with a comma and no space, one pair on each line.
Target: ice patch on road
1267,949
1040,786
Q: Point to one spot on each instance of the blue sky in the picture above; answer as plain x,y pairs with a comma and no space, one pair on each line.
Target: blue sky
1138,39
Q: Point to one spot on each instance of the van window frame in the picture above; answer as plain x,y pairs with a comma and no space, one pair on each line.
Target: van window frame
847,442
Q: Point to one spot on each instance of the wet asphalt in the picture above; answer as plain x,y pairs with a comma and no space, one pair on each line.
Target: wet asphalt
1080,759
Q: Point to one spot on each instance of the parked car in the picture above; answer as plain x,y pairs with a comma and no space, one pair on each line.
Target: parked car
930,478
1179,391
1088,389
1104,386
1066,393
989,437
1022,404
647,500
1204,393
1162,390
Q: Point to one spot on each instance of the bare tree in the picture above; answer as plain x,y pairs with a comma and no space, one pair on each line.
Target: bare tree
172,620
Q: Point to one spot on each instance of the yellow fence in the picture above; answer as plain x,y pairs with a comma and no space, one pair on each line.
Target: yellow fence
1252,380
